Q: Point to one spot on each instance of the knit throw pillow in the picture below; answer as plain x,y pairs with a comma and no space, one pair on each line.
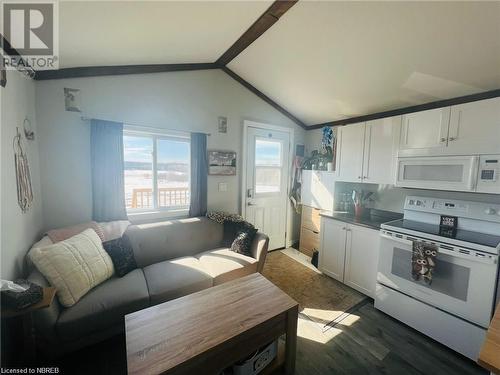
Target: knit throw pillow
74,266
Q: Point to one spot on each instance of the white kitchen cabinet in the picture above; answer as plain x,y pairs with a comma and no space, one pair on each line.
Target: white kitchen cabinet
332,248
318,189
424,131
379,151
350,152
361,259
366,151
475,128
465,129
349,254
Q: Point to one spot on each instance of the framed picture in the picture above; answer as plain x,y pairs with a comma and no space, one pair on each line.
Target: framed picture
72,100
222,163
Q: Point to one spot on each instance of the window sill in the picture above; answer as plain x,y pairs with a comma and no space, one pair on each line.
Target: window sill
156,215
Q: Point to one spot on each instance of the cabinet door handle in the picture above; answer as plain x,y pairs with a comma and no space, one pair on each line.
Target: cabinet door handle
359,177
443,140
344,228
452,139
365,177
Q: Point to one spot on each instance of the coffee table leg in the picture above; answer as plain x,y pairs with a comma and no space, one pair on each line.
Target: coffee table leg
291,340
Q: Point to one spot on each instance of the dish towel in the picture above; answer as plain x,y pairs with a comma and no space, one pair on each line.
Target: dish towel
423,261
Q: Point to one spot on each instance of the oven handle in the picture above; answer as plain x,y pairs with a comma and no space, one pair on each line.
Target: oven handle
487,260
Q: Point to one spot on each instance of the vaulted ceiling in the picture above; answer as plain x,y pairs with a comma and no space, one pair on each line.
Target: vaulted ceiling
321,61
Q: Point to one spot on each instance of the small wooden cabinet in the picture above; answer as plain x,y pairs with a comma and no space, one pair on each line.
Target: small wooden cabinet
317,192
349,254
309,230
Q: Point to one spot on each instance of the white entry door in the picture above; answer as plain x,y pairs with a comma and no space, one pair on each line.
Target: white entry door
266,190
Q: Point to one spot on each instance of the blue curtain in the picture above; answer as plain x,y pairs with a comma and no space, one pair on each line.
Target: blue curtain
199,172
108,189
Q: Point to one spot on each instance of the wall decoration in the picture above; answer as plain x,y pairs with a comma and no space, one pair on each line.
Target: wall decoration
222,124
23,176
3,77
72,100
28,129
222,163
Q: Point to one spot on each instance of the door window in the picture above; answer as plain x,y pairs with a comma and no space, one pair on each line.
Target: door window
268,163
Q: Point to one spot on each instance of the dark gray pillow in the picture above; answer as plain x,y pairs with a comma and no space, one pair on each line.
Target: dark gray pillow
242,244
121,254
231,230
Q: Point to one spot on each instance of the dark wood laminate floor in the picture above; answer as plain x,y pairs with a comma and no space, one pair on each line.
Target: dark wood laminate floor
365,342
370,342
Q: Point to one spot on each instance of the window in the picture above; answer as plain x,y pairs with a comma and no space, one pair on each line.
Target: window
268,162
157,171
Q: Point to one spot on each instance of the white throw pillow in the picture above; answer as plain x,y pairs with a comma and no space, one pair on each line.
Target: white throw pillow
74,266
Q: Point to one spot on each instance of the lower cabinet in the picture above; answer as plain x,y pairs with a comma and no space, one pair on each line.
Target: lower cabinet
349,254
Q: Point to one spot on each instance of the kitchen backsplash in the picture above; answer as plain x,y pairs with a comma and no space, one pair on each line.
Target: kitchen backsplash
391,198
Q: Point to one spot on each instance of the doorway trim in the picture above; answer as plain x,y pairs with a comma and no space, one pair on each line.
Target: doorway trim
260,125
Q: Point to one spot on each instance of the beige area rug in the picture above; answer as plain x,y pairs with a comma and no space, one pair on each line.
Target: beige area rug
320,297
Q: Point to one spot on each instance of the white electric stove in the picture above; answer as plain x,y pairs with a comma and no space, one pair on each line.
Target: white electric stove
456,308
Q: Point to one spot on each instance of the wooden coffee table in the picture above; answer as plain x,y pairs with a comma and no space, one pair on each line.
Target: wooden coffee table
205,332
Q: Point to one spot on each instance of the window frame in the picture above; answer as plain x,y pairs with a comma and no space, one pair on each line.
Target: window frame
280,167
155,135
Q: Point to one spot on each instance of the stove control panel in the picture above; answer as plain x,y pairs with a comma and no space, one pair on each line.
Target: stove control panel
462,209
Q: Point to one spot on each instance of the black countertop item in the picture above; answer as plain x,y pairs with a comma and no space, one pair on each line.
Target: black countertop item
373,218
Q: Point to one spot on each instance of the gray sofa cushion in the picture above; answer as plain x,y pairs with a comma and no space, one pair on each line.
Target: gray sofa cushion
156,242
104,306
175,278
224,264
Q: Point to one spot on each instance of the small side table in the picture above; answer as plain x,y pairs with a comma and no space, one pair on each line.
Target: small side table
27,316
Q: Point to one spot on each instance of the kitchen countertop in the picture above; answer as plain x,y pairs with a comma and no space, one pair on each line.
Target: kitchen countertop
489,357
373,220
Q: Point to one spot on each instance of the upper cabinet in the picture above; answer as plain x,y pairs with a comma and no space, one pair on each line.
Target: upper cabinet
366,151
465,129
475,128
424,131
380,151
351,141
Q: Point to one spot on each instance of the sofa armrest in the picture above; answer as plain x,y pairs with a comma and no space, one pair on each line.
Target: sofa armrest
259,248
45,319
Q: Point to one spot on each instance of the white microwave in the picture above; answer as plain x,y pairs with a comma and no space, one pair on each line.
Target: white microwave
477,173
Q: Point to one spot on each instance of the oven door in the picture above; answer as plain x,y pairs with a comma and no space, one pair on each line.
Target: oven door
463,281
443,173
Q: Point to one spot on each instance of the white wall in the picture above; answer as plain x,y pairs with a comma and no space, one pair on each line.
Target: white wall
184,100
18,230
313,140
